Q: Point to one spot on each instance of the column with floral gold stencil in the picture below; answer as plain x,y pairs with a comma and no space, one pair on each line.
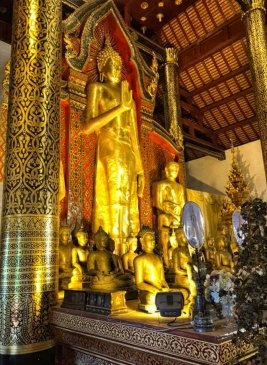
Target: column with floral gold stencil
255,25
29,242
173,110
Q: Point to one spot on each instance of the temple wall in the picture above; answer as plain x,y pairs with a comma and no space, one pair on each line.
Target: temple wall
211,175
4,57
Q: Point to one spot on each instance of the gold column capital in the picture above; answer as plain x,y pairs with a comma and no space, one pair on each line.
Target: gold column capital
249,5
171,55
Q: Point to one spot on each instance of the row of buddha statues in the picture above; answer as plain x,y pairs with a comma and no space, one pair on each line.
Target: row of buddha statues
96,266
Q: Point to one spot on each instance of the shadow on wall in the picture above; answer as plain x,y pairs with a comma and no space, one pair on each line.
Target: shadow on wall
248,178
4,58
195,184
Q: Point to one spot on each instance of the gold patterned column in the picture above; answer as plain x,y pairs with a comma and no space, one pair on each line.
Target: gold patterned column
254,21
173,109
29,242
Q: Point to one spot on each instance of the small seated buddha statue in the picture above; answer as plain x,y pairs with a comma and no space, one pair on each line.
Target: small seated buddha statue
65,250
224,259
149,272
103,266
183,269
79,260
210,254
128,257
116,258
234,250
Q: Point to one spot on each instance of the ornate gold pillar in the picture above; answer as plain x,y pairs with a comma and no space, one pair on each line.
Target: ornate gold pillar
254,21
173,108
29,242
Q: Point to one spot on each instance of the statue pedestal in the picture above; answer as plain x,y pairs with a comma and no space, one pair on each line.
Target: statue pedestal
103,302
148,308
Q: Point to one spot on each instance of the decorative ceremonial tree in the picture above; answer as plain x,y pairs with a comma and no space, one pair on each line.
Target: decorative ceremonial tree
236,191
251,275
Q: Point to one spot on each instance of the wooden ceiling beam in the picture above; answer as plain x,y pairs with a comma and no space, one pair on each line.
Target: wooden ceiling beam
223,36
191,108
232,97
204,147
239,124
220,80
193,128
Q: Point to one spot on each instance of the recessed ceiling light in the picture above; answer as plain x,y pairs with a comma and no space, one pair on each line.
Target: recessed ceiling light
144,5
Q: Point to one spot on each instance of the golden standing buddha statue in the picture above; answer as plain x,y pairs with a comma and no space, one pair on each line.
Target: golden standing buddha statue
149,272
168,198
111,114
79,260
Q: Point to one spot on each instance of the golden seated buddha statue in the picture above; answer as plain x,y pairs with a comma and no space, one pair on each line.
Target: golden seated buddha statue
210,254
65,251
149,272
224,259
79,260
128,257
103,266
183,270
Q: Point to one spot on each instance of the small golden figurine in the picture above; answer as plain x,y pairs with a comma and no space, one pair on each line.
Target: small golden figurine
103,267
183,269
79,260
210,254
224,260
65,252
119,181
128,257
168,198
149,272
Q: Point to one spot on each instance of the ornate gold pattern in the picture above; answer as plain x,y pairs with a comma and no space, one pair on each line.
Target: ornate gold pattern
28,249
173,105
249,5
254,19
79,32
152,87
5,84
171,55
3,119
141,343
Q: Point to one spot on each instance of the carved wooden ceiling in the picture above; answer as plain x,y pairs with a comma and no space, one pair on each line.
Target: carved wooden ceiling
217,100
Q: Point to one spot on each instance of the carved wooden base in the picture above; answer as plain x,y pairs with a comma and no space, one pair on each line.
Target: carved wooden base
87,338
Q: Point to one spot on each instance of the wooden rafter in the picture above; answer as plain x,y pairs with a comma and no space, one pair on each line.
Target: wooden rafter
220,80
239,124
226,100
221,37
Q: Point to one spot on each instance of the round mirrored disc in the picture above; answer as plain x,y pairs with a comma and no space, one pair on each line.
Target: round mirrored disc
193,224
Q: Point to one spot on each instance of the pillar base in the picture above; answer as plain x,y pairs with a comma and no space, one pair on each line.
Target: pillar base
46,357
